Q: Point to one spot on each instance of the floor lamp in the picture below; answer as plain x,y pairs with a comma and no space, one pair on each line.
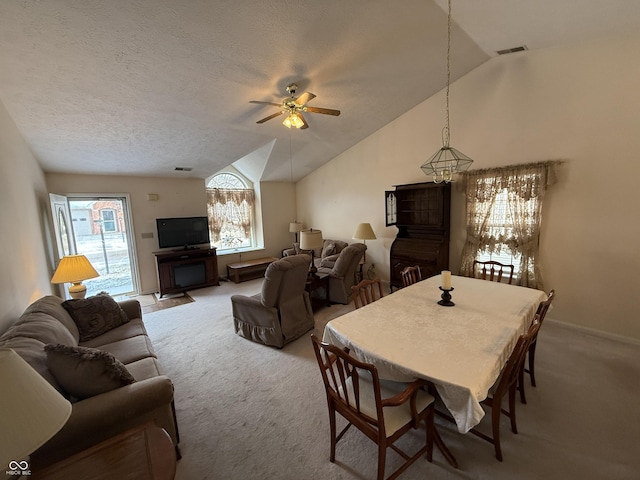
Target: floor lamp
364,232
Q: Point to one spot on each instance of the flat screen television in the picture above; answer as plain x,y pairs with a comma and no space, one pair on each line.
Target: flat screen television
185,232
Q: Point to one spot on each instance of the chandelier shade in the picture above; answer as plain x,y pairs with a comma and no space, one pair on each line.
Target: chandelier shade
444,163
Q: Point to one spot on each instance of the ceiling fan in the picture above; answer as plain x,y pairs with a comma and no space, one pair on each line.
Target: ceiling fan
293,107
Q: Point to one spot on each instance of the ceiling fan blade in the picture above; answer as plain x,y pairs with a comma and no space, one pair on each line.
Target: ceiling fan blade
270,117
305,98
326,111
304,122
264,103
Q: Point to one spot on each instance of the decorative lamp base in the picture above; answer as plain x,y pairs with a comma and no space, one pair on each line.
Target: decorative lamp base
446,298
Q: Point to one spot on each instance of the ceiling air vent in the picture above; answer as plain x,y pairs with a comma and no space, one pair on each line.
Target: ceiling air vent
183,169
521,48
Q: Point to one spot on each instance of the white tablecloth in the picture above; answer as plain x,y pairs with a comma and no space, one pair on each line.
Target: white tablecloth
461,349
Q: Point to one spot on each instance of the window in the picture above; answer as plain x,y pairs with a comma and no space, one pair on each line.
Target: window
108,220
230,209
500,225
504,213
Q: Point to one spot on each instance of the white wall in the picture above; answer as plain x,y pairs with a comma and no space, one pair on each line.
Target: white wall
23,196
576,103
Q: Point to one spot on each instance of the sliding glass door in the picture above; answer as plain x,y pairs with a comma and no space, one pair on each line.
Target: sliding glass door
102,228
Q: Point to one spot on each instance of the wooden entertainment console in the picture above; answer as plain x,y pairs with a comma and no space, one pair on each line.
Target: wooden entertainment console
182,270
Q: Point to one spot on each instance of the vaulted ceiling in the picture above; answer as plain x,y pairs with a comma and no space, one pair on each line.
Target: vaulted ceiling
140,87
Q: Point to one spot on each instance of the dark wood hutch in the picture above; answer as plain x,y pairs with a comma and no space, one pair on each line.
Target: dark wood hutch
421,212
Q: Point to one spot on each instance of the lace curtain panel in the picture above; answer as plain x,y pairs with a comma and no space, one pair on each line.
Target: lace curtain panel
229,207
496,225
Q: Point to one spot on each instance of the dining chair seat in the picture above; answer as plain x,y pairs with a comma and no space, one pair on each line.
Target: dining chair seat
395,417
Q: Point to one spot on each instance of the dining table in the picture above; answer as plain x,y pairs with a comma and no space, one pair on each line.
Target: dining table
461,349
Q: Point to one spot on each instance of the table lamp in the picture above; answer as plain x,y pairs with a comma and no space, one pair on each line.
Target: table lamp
31,411
364,232
295,227
311,240
74,269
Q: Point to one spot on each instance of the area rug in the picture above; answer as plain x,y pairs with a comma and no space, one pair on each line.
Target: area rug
153,303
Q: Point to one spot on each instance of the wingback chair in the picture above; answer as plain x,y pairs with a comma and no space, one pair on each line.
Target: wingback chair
342,274
282,311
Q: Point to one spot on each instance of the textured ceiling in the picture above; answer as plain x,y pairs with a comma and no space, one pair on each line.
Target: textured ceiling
143,86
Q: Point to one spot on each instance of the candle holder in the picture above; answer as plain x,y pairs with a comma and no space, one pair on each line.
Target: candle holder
446,297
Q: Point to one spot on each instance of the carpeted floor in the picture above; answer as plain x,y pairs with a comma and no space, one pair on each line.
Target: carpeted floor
247,411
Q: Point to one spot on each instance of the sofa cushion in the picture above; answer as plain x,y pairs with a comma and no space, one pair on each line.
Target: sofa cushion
95,315
84,372
51,305
42,327
129,350
132,328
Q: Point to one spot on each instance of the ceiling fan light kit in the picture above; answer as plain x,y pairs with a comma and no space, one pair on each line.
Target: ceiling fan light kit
447,161
293,107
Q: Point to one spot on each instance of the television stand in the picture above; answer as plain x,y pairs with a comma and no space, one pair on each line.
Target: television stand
182,270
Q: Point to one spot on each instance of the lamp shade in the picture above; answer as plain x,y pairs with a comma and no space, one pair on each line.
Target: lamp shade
74,268
295,227
31,410
364,232
310,239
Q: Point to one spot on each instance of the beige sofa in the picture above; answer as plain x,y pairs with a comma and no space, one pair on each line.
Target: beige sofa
147,396
326,257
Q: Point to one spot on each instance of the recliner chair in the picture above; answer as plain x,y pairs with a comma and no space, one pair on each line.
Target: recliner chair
342,275
282,311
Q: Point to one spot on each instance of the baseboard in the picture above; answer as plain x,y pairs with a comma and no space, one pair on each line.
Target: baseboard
596,333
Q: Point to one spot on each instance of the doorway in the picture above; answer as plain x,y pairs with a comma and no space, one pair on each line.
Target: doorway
102,230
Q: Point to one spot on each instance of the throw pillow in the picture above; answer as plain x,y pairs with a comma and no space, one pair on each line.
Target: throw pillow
329,249
84,372
95,315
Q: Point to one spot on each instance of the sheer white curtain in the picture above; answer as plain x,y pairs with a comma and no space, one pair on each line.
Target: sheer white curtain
518,229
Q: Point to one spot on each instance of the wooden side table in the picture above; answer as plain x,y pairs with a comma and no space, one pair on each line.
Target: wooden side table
315,282
142,453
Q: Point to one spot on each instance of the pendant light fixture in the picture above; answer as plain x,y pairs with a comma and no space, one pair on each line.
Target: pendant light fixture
447,161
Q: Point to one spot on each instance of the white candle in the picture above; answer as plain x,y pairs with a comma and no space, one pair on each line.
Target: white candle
446,280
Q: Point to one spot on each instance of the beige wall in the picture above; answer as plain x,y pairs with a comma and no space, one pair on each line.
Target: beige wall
180,198
577,103
177,197
23,196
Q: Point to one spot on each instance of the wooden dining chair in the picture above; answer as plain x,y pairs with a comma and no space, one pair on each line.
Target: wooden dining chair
382,410
507,384
411,275
493,271
365,292
543,308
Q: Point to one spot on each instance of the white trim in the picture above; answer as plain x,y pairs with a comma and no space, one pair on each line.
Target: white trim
596,333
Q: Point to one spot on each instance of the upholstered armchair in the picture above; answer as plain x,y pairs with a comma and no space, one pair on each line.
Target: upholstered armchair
282,311
342,273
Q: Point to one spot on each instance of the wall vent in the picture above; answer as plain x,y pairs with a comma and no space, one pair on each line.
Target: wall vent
521,48
183,169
